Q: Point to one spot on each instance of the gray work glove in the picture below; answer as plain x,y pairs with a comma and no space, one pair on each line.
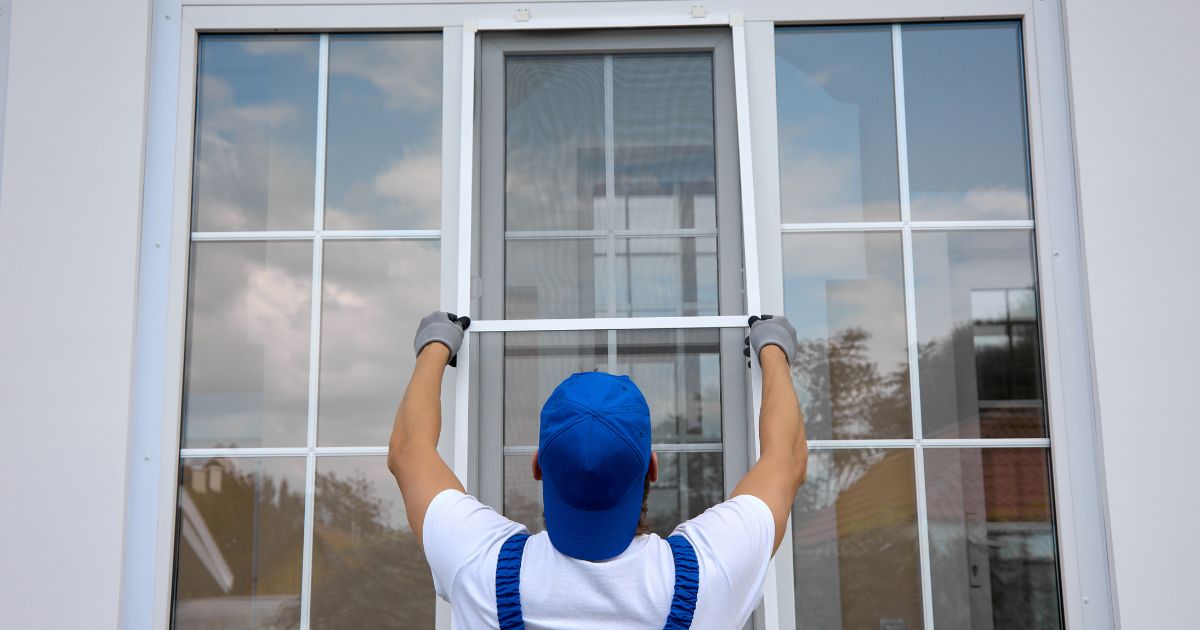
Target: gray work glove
771,330
445,328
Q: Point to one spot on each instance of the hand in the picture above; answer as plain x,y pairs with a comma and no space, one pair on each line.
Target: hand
442,327
770,330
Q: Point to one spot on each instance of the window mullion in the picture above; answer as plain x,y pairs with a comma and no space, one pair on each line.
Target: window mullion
910,310
610,203
314,352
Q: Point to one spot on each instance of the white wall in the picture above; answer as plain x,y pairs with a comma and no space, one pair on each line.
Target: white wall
69,205
1135,89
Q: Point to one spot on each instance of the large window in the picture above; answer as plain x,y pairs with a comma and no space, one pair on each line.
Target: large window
909,270
316,204
602,190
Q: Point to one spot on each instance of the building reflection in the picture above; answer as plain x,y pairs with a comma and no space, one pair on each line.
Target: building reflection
989,509
241,540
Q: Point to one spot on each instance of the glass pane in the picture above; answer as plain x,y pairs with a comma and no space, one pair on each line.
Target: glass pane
554,142
664,277
688,484
845,294
523,493
534,364
977,322
645,277
854,536
837,124
238,551
664,153
992,538
964,99
368,570
246,364
678,372
384,150
555,278
371,290
256,133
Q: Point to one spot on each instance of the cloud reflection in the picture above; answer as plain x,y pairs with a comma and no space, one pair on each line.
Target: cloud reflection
255,152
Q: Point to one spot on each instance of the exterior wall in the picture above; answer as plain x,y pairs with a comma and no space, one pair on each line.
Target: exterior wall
69,210
73,115
1134,85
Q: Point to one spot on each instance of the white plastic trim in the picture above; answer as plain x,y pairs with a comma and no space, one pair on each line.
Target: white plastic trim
869,226
910,314
608,323
171,114
599,21
466,186
329,235
314,336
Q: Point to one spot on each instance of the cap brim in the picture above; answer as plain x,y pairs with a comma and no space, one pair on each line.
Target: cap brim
591,534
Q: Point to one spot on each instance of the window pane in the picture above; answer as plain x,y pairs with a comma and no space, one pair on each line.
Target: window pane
992,538
688,484
246,364
523,493
964,99
663,277
678,372
554,143
368,570
384,150
256,133
845,294
664,153
371,291
571,278
648,119
977,322
555,278
534,364
854,536
238,551
837,124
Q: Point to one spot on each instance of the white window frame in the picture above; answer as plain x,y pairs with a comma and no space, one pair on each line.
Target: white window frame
1080,514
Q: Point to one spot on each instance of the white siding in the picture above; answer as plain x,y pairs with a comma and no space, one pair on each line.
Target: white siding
1134,89
71,188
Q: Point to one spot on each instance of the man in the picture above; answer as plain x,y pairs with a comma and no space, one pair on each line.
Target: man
590,568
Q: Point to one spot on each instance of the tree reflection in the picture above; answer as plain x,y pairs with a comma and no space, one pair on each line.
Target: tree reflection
368,570
241,534
854,521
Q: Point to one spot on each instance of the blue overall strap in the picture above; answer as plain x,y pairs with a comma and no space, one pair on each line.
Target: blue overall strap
508,583
687,584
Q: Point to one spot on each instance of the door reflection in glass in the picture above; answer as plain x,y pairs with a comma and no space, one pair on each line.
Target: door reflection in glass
992,538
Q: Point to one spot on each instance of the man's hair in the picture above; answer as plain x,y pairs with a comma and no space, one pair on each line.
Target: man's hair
643,526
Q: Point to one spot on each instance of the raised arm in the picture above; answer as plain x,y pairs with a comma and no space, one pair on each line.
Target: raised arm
412,452
783,458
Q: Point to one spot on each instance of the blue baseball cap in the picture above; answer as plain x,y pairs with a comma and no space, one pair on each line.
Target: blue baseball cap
594,451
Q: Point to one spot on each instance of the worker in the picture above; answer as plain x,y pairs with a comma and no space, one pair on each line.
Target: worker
593,567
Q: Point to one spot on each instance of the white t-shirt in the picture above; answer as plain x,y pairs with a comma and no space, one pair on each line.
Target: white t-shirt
733,540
